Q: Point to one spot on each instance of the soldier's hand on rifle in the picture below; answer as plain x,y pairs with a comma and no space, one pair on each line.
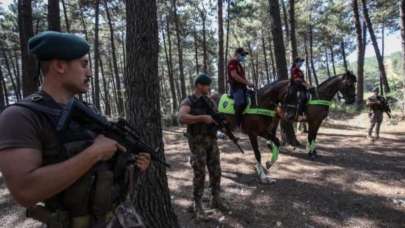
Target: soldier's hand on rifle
207,119
105,147
142,161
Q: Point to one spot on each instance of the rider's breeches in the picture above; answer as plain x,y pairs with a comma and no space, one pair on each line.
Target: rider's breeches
240,98
205,153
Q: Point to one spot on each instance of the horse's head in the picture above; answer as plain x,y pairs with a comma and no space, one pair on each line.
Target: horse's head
347,87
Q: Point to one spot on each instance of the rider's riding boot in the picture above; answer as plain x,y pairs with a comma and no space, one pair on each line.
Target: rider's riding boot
218,203
199,212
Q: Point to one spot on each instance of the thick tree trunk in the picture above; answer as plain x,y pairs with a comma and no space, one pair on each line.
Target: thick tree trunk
381,66
151,196
221,64
29,77
179,48
266,64
360,54
120,99
343,50
277,33
273,65
205,46
53,15
293,39
96,56
65,14
402,19
307,59
169,63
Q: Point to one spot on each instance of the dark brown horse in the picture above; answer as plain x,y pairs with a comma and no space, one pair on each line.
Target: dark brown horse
318,108
255,125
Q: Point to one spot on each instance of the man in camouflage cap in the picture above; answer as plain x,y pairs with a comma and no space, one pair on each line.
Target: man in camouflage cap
201,131
63,170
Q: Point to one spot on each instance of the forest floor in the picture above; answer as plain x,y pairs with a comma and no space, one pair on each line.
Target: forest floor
354,183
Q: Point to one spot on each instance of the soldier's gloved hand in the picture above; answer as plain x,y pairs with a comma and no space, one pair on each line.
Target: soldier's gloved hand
142,161
105,147
207,119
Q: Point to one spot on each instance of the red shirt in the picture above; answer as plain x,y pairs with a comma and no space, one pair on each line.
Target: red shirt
297,74
234,64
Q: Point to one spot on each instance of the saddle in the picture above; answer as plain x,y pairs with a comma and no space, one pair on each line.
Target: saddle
226,106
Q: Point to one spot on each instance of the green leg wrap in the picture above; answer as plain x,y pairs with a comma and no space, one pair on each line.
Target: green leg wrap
311,146
274,153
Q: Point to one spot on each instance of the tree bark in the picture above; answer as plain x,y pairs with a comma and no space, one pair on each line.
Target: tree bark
307,59
332,55
293,39
343,49
107,106
96,56
227,42
278,41
151,196
402,19
66,16
2,94
221,72
266,64
197,66
311,50
29,76
360,54
168,55
205,47
273,65
53,15
381,66
120,99
179,49
286,25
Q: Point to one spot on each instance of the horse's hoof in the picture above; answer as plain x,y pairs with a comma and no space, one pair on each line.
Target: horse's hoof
312,156
267,180
269,164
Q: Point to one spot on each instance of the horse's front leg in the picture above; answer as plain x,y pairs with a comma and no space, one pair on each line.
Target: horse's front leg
274,147
312,133
261,171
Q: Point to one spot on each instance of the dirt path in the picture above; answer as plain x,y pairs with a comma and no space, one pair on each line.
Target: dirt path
355,183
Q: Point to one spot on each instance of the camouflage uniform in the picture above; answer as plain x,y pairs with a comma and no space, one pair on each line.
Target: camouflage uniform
376,114
204,150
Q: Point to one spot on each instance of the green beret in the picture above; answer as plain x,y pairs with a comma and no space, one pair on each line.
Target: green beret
203,79
57,45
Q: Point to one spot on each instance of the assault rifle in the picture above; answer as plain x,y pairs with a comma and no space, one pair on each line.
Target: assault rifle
120,131
222,124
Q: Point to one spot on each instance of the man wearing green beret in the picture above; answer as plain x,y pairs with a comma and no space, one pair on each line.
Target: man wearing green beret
202,141
64,171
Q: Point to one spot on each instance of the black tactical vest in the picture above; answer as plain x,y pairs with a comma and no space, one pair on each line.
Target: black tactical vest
199,107
92,198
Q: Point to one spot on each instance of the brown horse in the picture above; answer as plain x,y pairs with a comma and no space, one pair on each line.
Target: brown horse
318,109
255,125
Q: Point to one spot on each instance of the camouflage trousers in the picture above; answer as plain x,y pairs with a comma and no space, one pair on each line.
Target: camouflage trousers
376,119
205,153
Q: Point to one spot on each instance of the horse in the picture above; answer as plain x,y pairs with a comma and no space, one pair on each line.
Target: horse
256,123
318,105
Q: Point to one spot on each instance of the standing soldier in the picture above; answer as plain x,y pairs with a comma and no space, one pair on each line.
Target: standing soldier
74,174
201,131
378,106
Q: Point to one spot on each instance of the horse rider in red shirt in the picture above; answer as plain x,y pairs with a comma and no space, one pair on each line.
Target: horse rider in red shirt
300,87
